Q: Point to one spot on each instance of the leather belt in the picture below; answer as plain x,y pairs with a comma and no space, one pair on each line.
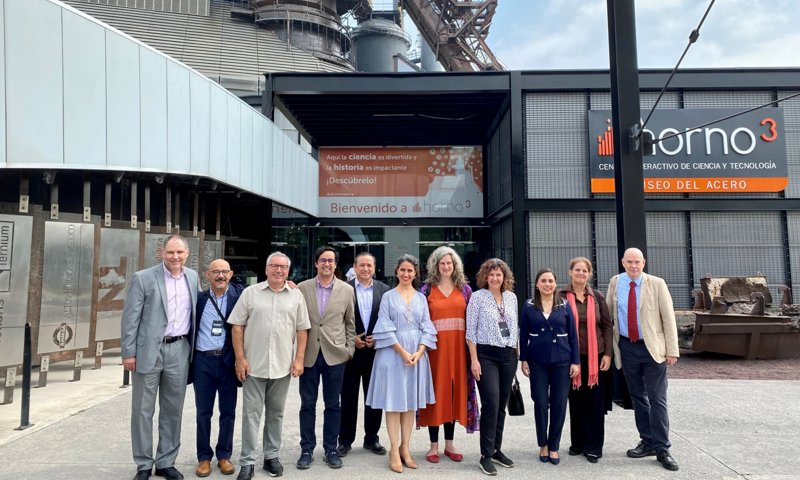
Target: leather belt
173,339
211,353
641,340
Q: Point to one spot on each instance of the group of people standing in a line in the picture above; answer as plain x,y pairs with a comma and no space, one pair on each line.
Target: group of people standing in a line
419,354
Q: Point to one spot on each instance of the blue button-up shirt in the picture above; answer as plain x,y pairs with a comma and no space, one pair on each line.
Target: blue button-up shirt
206,341
623,289
364,297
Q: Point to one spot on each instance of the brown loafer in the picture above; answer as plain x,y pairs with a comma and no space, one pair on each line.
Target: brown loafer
203,468
226,467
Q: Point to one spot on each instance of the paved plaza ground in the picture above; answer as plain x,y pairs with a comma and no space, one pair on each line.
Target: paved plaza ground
720,429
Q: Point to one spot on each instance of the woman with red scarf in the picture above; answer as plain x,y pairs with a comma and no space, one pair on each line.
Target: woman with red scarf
587,398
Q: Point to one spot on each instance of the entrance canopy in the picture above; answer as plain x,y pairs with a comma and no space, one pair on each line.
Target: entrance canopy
390,109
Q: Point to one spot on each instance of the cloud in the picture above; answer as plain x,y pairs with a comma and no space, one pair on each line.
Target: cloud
572,34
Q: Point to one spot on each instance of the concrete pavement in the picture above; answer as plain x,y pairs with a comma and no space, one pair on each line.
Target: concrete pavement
720,429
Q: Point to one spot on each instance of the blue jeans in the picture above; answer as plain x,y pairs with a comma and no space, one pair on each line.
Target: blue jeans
549,391
332,377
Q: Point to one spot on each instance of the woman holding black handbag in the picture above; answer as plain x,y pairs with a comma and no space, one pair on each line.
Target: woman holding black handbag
550,357
492,338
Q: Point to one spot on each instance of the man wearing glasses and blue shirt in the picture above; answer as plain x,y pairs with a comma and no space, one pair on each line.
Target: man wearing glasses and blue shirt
213,368
331,343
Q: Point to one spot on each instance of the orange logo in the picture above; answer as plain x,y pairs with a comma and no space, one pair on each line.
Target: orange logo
605,142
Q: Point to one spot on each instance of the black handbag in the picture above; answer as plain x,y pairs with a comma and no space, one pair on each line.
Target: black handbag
516,407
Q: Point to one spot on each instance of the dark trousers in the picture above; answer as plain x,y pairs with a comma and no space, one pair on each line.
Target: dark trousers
449,432
647,382
332,376
212,377
587,412
549,389
498,366
357,373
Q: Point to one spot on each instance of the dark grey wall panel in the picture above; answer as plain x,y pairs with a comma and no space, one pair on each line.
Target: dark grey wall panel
739,244
555,238
556,152
605,225
793,231
791,115
668,253
503,240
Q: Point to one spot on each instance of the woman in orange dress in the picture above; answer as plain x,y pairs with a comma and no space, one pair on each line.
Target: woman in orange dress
448,292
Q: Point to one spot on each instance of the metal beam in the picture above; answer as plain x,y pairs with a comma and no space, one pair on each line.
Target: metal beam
518,175
626,113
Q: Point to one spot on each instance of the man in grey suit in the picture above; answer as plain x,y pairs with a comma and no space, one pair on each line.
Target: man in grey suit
157,343
331,343
645,342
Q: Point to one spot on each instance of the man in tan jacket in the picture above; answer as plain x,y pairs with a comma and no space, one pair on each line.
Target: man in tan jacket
645,342
331,343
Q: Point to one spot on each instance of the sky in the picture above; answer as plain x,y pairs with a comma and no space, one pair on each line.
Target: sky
573,34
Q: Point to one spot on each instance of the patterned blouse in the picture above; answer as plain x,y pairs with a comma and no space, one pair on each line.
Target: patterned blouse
483,317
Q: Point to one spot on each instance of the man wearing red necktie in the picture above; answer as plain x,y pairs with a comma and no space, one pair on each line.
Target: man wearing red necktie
645,342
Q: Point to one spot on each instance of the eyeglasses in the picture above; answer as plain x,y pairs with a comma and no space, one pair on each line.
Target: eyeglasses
220,272
275,266
327,260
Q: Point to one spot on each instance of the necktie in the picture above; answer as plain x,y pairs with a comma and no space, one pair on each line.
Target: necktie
633,328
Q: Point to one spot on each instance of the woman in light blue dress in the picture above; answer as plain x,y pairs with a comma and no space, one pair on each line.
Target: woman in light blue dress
401,381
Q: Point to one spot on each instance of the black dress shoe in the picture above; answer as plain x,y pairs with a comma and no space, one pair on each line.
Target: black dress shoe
641,451
375,448
246,472
667,461
575,451
143,474
170,473
592,458
343,449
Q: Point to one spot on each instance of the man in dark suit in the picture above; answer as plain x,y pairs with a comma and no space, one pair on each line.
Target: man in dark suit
359,369
331,343
157,344
213,368
645,342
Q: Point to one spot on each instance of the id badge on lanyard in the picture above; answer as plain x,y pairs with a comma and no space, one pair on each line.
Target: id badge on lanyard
502,324
217,325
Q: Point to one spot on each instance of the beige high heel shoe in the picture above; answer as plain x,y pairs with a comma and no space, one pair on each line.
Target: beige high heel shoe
395,461
407,459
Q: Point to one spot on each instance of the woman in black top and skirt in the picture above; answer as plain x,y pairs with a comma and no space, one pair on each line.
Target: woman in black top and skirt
587,398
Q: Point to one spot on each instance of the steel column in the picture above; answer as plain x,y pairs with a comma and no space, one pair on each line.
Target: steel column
626,116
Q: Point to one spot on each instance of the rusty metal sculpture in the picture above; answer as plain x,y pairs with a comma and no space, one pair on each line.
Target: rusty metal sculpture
737,323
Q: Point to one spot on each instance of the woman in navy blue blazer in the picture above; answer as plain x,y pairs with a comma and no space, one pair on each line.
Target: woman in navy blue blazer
550,357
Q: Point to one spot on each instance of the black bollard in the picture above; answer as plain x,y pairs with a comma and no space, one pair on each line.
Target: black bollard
25,414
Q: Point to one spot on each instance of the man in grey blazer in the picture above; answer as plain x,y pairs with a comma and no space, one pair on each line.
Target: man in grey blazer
645,342
331,343
157,343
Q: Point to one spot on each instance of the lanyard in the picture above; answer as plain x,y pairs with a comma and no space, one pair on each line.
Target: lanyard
214,302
